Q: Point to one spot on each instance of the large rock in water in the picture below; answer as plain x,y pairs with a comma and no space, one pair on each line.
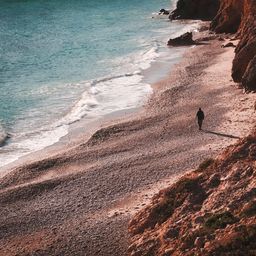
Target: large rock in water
210,211
195,9
183,40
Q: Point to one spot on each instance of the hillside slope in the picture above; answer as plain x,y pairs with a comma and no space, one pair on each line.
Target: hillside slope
210,211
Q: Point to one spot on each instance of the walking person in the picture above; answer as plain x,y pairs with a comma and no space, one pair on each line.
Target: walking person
200,118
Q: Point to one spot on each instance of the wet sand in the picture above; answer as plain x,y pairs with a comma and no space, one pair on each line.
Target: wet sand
79,201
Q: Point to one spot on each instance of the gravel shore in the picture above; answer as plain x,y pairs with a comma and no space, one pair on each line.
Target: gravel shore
79,202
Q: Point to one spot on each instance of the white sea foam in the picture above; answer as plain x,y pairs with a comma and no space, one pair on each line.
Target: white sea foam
123,89
100,97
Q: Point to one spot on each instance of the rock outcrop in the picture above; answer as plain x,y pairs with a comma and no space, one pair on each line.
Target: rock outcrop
210,211
229,16
185,39
239,16
195,9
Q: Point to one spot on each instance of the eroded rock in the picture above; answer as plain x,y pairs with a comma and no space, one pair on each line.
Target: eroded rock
183,40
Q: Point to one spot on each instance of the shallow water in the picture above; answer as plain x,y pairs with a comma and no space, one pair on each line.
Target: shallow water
61,61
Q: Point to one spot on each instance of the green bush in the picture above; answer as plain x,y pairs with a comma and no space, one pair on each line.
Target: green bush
220,220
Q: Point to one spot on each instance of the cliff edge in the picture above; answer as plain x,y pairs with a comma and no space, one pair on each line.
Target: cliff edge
210,211
229,16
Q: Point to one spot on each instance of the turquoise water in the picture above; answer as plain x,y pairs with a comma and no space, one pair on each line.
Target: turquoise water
63,60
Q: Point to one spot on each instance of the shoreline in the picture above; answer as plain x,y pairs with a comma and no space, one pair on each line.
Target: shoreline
84,128
159,68
92,186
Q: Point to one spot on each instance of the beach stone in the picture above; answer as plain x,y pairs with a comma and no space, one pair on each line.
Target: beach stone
183,40
228,45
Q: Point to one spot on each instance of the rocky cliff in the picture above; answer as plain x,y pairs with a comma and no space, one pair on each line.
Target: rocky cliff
199,9
211,211
239,16
233,16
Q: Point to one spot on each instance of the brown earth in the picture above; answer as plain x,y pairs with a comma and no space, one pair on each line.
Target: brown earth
210,211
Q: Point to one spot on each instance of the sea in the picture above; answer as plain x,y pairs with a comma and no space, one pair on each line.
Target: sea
62,61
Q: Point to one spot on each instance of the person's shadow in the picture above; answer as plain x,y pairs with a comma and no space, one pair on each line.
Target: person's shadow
222,134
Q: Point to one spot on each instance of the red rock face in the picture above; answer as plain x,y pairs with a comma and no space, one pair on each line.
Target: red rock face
233,16
246,49
229,16
240,16
195,9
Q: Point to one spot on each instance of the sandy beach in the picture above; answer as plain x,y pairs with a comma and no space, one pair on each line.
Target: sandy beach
79,201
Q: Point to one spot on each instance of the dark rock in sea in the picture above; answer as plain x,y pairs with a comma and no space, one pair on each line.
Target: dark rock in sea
4,138
183,40
195,9
164,12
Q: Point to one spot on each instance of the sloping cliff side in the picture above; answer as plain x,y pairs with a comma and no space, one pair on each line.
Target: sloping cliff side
233,16
210,211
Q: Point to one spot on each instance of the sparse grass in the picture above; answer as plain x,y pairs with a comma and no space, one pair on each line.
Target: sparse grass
220,220
175,197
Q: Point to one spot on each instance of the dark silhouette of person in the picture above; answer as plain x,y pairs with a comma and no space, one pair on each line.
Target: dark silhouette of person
200,118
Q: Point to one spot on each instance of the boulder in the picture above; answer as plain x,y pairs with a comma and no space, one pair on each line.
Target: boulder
164,12
239,16
183,40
